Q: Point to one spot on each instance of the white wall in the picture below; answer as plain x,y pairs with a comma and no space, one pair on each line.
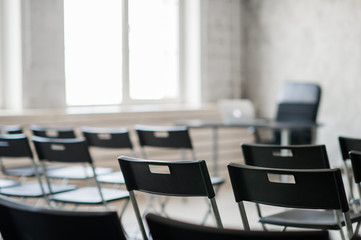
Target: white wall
311,40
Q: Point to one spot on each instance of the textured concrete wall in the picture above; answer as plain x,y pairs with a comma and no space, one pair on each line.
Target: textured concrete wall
221,49
311,40
43,54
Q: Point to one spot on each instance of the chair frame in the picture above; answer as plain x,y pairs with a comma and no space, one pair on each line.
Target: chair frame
179,181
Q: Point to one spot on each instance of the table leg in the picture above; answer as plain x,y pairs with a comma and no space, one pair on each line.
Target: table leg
215,150
285,136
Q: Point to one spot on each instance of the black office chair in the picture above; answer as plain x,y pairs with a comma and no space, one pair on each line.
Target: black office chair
17,147
348,144
168,178
75,151
355,157
302,193
162,228
24,222
297,102
11,129
109,138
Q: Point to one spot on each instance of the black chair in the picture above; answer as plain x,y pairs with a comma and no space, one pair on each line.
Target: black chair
162,228
75,151
348,144
24,222
73,172
52,131
17,147
297,102
302,193
355,157
288,157
11,129
169,178
109,138
170,137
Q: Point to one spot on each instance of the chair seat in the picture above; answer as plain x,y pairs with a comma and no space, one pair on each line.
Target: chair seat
90,195
27,171
114,177
306,219
217,180
34,189
4,183
77,172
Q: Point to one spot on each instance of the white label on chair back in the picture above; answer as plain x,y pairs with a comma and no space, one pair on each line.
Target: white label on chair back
161,134
281,178
283,153
104,136
51,133
57,147
159,169
4,144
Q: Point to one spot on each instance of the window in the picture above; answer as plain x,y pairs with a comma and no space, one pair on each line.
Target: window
95,54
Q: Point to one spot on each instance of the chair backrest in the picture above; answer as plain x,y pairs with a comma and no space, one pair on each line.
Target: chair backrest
162,228
164,136
311,188
355,157
298,102
171,178
11,129
15,145
71,150
23,222
348,144
52,132
107,137
292,157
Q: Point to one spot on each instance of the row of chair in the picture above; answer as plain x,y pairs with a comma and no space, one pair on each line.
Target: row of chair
305,188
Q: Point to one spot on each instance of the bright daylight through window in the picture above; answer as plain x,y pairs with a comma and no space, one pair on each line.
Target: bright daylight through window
94,51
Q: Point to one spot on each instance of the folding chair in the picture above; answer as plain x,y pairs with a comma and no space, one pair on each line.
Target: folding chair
162,228
17,146
11,129
169,178
109,138
74,151
23,222
170,137
302,193
348,144
73,172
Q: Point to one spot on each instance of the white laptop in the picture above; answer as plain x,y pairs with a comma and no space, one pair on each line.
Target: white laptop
235,111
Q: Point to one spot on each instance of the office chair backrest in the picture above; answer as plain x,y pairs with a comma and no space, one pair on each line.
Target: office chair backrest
162,228
11,129
53,132
313,189
173,178
292,157
355,157
298,102
348,144
72,150
167,136
15,145
23,222
107,138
